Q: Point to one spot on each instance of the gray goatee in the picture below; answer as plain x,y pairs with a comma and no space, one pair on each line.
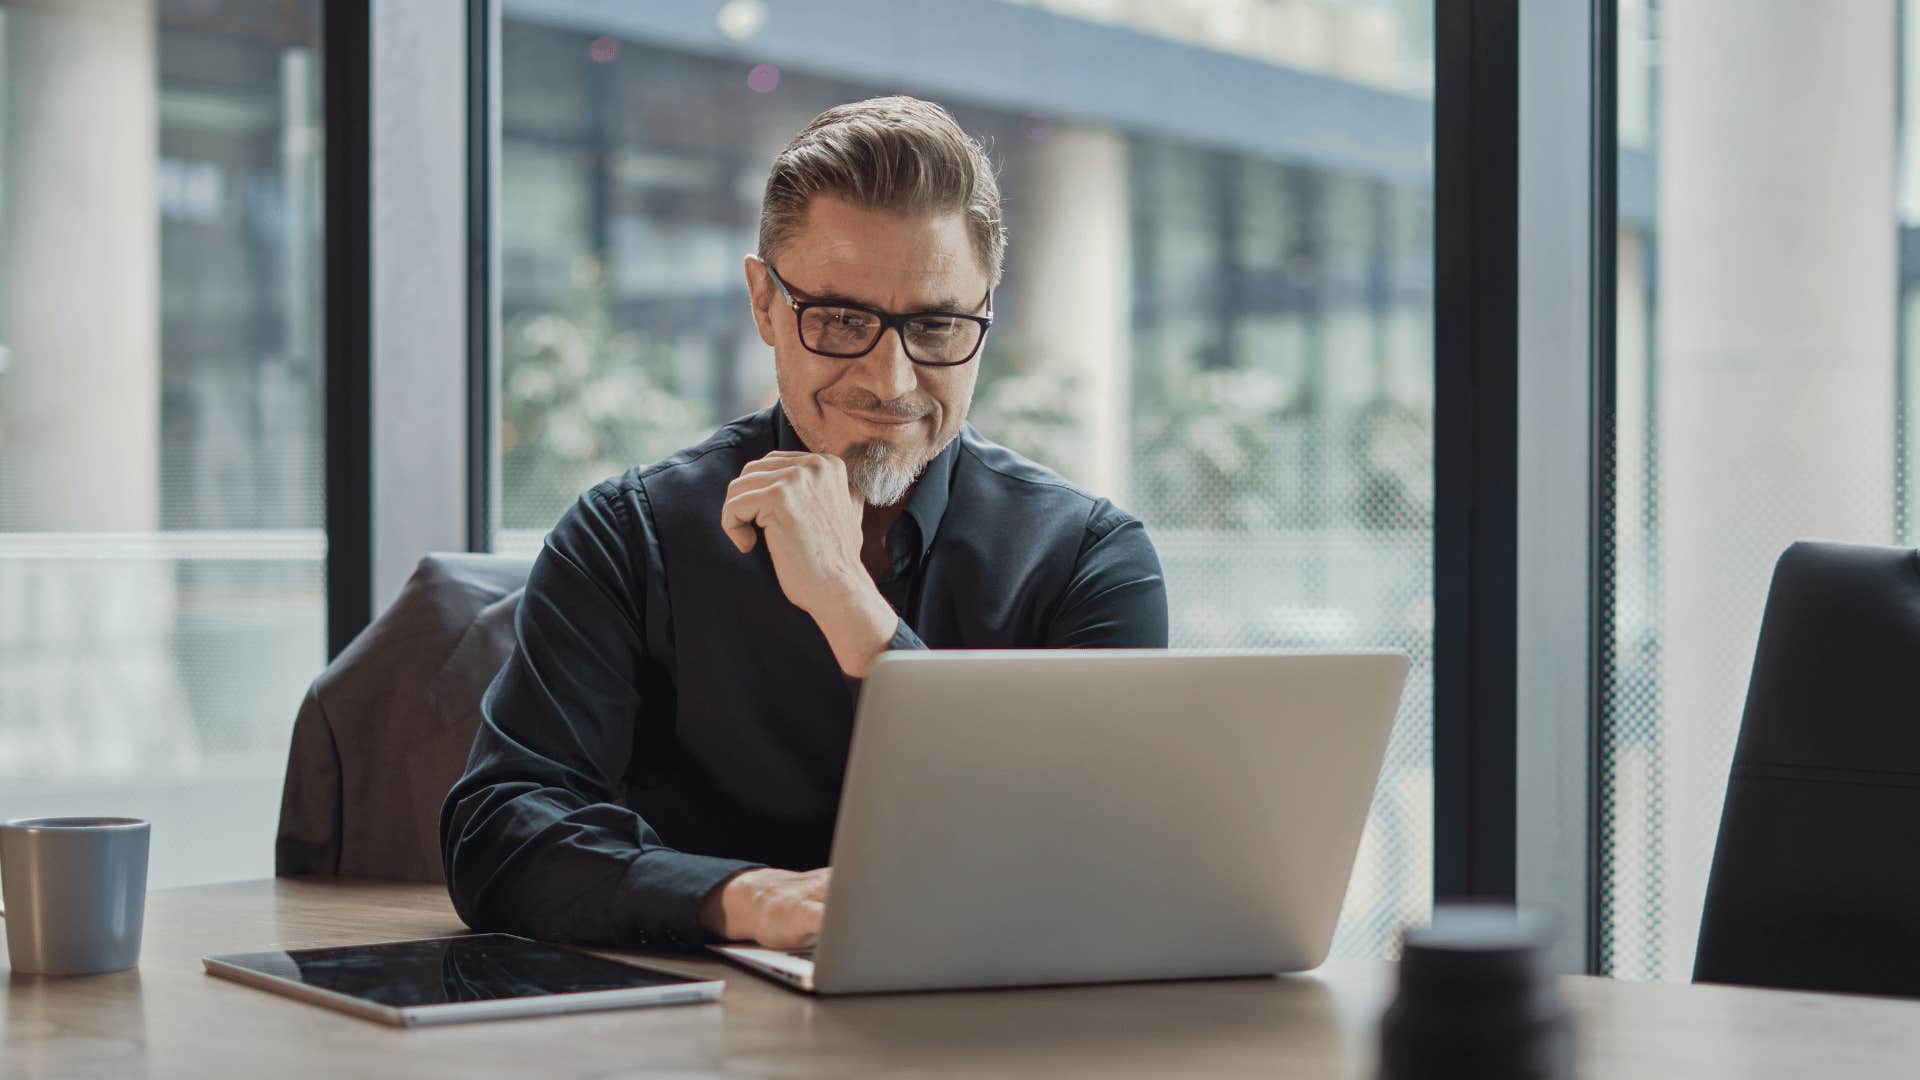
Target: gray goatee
875,472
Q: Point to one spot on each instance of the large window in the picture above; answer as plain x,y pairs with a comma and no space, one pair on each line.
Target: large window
1768,304
1223,210
161,551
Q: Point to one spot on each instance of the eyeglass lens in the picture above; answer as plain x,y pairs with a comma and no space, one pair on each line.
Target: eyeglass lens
929,339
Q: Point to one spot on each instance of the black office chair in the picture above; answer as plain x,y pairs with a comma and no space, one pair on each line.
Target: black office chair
1815,882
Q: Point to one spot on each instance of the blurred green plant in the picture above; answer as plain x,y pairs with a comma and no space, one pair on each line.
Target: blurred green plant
583,398
1207,454
1218,450
1028,408
1392,442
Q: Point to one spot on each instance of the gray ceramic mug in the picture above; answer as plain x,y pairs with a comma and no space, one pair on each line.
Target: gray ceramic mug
76,893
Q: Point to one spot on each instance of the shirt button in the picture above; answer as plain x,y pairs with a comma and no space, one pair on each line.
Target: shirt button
640,938
674,936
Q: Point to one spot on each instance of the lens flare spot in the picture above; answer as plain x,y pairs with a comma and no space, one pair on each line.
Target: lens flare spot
763,78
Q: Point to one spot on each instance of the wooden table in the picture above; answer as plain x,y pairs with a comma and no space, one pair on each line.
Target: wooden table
169,1019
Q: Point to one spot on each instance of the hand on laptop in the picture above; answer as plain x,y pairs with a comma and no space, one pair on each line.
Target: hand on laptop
780,909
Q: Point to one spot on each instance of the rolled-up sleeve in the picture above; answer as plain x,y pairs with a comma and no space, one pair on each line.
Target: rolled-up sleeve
532,835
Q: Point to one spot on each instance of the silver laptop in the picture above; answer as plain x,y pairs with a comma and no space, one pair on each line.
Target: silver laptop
1075,816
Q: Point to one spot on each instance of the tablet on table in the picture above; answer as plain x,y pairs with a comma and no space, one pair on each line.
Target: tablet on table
450,979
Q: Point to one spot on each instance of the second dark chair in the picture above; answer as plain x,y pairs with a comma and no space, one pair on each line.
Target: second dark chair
1815,882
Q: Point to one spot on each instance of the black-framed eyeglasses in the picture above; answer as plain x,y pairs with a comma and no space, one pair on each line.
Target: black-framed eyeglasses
848,331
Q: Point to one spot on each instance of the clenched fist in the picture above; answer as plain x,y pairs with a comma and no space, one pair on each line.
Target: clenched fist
810,518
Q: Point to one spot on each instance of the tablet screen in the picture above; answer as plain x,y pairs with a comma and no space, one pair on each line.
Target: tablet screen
441,971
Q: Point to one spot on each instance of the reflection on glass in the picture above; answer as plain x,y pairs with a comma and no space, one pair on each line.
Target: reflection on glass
161,553
1229,336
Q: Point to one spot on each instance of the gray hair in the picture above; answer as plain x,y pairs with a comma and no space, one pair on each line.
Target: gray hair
891,153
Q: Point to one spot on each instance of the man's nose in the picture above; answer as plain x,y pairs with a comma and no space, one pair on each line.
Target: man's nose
887,371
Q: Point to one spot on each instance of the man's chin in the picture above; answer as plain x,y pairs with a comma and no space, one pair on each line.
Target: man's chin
881,474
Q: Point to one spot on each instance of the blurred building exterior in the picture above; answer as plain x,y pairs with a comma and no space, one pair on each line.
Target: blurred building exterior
1217,311
161,555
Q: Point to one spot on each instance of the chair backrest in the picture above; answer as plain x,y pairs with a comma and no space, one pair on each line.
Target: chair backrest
1815,883
386,728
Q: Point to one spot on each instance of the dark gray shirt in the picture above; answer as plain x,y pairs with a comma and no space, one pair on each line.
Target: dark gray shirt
668,718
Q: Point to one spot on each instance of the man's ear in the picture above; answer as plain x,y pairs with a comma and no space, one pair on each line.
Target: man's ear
760,295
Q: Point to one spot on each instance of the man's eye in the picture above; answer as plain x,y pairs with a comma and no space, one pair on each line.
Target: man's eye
934,327
848,319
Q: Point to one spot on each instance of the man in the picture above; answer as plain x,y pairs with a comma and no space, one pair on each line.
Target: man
662,754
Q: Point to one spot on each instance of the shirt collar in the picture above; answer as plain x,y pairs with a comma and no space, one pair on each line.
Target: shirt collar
926,503
784,437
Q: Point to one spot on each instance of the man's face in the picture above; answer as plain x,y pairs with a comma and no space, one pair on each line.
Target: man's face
882,414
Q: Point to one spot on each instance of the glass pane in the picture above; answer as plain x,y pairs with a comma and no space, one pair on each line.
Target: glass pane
1766,305
1217,308
162,592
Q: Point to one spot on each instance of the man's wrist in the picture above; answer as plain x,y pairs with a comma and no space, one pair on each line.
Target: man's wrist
724,910
858,624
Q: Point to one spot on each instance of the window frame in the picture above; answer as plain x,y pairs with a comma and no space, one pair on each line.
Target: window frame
397,121
346,94
1524,187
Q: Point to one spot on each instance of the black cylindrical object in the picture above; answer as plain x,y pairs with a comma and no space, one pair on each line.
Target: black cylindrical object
1477,999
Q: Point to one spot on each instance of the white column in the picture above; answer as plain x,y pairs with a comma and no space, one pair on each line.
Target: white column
1775,350
1075,287
80,401
88,684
